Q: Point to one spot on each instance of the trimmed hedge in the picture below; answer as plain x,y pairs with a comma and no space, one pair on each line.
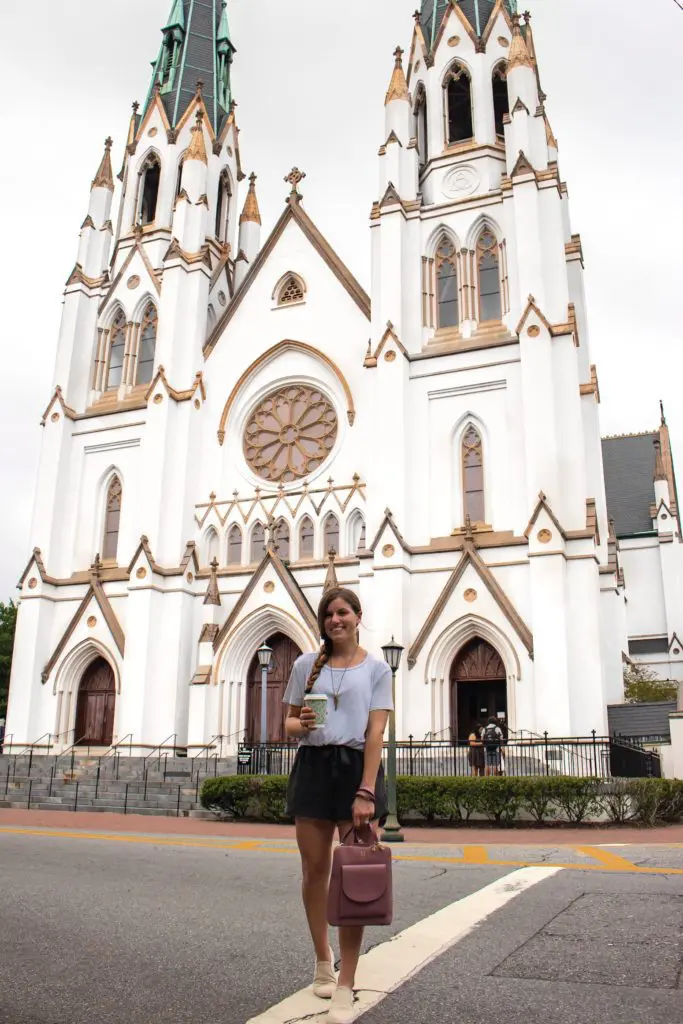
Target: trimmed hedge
503,801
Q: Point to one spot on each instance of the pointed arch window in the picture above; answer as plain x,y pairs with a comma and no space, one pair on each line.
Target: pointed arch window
357,535
148,342
210,546
235,545
281,538
448,311
306,539
258,543
331,534
179,179
291,290
473,475
117,348
458,85
420,126
223,207
488,266
501,102
112,519
150,177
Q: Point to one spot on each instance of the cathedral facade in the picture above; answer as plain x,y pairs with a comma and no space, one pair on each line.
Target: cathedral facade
236,424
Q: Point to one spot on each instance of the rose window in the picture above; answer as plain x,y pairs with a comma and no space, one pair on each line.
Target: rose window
290,433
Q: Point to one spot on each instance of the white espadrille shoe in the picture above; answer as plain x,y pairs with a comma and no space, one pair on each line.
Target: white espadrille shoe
341,1008
325,980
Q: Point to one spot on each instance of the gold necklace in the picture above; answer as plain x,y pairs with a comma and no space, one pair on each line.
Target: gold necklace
335,693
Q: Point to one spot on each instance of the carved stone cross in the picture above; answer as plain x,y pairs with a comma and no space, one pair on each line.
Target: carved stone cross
295,177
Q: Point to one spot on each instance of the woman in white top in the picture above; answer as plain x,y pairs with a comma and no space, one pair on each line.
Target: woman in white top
337,780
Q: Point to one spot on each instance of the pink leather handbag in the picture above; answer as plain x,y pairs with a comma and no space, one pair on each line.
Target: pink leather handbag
361,890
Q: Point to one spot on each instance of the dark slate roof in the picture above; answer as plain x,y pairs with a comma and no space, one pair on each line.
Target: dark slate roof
202,18
650,719
477,13
629,465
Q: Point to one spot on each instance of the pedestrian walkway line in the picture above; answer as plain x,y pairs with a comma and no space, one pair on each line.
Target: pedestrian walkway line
473,856
388,966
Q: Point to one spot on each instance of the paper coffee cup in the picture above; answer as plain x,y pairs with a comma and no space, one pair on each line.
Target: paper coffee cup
318,703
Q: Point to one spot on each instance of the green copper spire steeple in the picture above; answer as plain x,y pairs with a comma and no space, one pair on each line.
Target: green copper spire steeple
196,48
477,12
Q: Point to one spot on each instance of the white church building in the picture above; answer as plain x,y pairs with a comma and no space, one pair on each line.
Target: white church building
236,422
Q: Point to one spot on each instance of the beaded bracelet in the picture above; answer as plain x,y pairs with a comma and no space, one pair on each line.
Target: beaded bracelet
366,794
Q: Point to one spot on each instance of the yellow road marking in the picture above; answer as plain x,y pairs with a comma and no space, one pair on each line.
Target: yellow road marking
475,855
606,857
472,855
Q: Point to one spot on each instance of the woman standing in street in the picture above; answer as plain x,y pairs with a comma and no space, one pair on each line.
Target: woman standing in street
337,780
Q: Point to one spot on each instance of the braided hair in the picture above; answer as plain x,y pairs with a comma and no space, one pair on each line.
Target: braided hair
325,652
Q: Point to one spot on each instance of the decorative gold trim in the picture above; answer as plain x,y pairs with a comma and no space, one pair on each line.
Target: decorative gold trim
542,504
390,334
105,175
177,396
470,557
66,409
518,56
197,148
593,388
271,558
398,87
94,590
283,346
251,213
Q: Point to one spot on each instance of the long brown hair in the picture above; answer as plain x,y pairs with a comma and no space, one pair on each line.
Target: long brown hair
325,652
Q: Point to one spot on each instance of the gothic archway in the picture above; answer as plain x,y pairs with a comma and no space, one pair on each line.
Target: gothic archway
285,653
478,687
95,705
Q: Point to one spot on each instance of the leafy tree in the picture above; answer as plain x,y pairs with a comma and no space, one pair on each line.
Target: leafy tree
8,622
641,686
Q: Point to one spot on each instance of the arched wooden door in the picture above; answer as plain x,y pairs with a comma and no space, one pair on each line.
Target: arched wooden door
95,706
285,653
478,687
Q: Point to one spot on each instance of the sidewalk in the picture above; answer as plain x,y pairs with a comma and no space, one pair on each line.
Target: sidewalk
150,825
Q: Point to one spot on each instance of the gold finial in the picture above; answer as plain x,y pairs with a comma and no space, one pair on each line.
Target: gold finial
105,176
251,213
519,55
295,177
398,87
197,149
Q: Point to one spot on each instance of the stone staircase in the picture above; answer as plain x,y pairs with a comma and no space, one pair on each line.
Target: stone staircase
123,785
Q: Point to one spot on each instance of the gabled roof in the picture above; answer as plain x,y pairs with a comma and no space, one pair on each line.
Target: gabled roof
471,557
271,558
96,591
293,211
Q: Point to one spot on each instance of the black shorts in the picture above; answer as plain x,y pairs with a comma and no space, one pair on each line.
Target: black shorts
323,784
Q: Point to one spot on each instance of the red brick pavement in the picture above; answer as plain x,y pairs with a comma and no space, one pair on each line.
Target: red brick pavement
151,825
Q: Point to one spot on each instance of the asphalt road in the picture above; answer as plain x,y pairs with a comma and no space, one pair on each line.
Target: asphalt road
135,930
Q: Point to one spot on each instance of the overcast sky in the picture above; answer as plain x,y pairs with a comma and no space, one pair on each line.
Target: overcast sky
310,78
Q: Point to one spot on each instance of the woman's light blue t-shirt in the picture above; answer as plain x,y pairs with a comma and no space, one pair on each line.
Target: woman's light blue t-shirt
365,687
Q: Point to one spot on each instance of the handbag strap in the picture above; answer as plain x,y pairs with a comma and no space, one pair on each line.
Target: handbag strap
363,836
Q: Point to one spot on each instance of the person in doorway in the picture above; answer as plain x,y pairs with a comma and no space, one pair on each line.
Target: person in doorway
492,739
475,754
337,780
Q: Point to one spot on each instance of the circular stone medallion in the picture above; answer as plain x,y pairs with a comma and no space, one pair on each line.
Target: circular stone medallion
388,550
221,298
470,595
133,282
152,132
190,577
141,573
544,536
269,586
55,417
390,355
92,622
454,41
290,433
158,399
534,331
461,181
502,41
32,583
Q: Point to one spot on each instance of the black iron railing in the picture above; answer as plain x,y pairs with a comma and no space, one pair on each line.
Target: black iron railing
579,756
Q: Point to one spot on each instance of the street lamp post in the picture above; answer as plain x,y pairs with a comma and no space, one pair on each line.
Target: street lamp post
391,833
265,653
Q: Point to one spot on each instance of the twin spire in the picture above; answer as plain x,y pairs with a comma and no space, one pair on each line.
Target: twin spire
398,86
251,213
104,177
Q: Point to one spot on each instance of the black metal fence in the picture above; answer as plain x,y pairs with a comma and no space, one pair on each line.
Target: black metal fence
582,757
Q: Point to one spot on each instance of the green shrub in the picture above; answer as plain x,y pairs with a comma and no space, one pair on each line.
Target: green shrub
456,800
